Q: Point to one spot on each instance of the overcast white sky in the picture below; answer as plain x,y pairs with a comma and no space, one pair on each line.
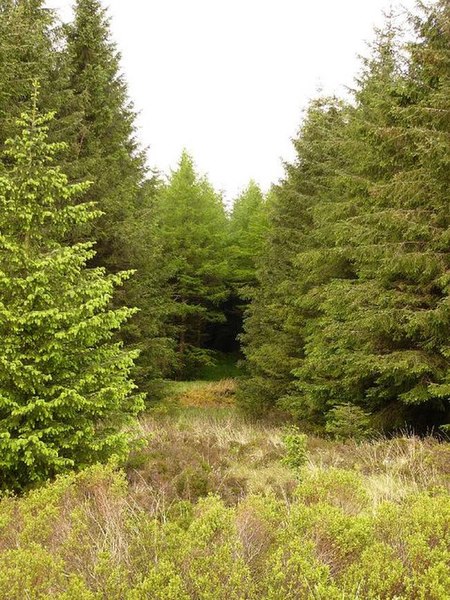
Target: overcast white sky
227,79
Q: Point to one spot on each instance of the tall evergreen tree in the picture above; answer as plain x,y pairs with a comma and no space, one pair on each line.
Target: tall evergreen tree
30,50
247,229
382,339
105,151
150,329
246,233
370,159
192,223
301,209
65,391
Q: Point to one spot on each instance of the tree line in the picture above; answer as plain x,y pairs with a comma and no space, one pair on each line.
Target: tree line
114,278
352,306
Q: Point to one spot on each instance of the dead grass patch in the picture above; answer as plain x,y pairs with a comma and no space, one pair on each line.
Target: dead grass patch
210,394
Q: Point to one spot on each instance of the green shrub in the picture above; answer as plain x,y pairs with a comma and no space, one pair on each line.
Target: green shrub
162,582
294,572
348,421
379,573
85,537
337,487
30,572
295,449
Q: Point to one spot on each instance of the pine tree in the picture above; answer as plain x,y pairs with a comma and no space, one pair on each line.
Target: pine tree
192,224
65,391
247,229
106,152
246,233
429,121
327,374
30,50
381,340
150,329
295,259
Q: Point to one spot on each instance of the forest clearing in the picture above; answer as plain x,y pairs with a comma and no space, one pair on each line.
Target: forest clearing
203,399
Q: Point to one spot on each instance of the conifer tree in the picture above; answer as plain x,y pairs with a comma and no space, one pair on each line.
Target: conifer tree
430,179
30,40
381,341
248,224
65,391
246,234
106,152
192,224
150,329
371,158
298,255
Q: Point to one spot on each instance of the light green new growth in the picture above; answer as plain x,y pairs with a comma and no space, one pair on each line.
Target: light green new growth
65,391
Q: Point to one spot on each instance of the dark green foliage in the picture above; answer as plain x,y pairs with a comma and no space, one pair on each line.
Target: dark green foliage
298,255
225,366
332,369
347,421
246,235
65,391
104,150
30,40
353,305
382,337
150,329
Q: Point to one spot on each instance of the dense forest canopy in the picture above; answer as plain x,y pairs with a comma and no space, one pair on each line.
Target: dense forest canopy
333,289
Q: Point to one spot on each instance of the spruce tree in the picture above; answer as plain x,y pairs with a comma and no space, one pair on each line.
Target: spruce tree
246,233
429,121
327,374
247,229
298,255
65,391
30,50
105,151
381,339
192,225
150,330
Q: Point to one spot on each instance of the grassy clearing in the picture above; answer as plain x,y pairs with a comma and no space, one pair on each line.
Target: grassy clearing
202,448
201,394
208,509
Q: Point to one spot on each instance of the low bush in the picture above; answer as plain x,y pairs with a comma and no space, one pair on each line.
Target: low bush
296,449
87,537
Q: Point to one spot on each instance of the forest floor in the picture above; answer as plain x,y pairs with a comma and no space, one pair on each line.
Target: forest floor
214,506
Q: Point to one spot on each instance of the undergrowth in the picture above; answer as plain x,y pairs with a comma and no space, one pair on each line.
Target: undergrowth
213,506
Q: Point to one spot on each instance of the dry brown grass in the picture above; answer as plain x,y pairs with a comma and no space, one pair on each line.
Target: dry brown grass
392,468
203,451
208,394
208,447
